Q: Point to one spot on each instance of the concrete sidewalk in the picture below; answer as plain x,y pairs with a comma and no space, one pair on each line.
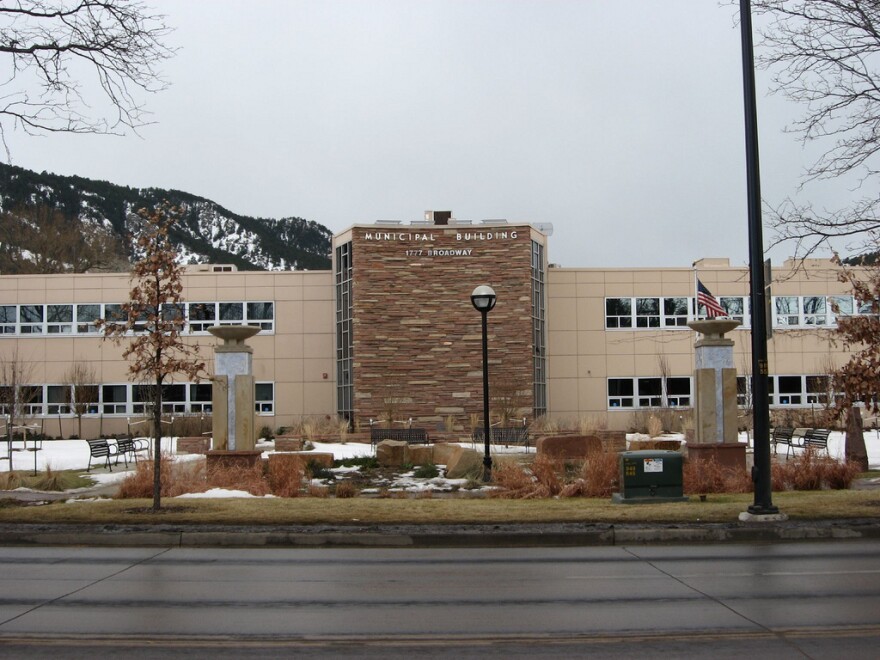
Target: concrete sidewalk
432,536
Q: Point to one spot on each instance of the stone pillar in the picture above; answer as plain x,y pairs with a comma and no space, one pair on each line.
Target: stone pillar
715,395
233,390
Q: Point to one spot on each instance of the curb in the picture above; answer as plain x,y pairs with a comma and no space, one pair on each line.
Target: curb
462,536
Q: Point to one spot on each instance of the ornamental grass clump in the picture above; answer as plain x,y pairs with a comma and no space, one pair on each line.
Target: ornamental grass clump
808,471
598,477
706,475
176,479
286,477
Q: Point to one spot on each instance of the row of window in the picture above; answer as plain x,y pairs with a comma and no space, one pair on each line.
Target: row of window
116,399
673,392
675,312
80,318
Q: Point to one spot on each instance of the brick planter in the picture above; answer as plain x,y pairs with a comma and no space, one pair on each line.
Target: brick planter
193,445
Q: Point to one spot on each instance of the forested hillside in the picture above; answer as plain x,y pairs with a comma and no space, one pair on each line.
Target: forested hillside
51,223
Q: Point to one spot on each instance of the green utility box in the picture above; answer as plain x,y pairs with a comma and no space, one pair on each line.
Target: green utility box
650,476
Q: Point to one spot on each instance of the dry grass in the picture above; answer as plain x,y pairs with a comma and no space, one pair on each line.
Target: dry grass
174,480
346,489
808,471
285,476
704,476
599,477
799,505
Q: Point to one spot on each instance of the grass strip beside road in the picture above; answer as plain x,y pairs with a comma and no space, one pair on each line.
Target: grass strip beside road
798,505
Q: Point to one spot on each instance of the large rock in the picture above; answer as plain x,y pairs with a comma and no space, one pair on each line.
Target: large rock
392,453
463,463
568,447
442,452
421,454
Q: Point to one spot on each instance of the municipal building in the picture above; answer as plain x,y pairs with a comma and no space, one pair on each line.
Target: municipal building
390,333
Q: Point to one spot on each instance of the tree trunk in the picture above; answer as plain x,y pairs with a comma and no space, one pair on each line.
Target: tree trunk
157,446
854,448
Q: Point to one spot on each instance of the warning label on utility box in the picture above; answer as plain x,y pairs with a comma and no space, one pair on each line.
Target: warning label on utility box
653,465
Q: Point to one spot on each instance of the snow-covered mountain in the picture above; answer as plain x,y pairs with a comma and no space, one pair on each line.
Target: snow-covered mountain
206,233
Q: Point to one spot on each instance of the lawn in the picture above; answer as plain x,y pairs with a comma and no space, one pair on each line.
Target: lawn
799,505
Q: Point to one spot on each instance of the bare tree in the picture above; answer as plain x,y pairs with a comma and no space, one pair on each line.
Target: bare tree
824,55
61,52
82,393
152,323
16,393
55,243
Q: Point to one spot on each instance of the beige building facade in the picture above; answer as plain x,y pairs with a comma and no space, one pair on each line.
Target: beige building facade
390,331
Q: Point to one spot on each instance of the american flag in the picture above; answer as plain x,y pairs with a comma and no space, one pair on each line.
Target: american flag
710,302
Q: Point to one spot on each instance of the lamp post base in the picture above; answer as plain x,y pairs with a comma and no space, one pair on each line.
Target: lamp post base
764,516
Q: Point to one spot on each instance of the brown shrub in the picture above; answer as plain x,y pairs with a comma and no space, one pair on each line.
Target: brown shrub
316,490
346,489
174,479
511,478
807,471
286,476
425,495
600,473
546,471
239,477
702,476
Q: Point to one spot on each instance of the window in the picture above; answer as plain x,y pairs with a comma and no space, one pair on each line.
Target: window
114,399
86,315
790,391
231,313
787,312
736,307
678,392
264,398
115,315
814,310
31,399
202,316
31,319
818,389
173,398
647,312
261,314
7,319
618,312
743,391
650,392
620,392
59,319
58,399
173,312
675,312
200,397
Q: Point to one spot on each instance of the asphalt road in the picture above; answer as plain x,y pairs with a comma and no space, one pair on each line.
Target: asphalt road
817,600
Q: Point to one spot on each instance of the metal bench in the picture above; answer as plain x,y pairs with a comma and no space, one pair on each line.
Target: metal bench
816,439
782,435
412,436
102,449
514,435
129,447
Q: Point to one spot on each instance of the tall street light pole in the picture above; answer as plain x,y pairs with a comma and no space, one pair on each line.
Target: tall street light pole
763,503
483,300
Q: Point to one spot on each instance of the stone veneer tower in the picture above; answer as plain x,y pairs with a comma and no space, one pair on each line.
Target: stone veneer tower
408,339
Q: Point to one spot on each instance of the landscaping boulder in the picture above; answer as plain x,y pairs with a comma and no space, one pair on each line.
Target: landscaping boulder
421,454
463,463
392,453
565,447
442,452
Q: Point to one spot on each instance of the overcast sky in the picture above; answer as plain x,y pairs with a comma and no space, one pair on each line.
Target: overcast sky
618,121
